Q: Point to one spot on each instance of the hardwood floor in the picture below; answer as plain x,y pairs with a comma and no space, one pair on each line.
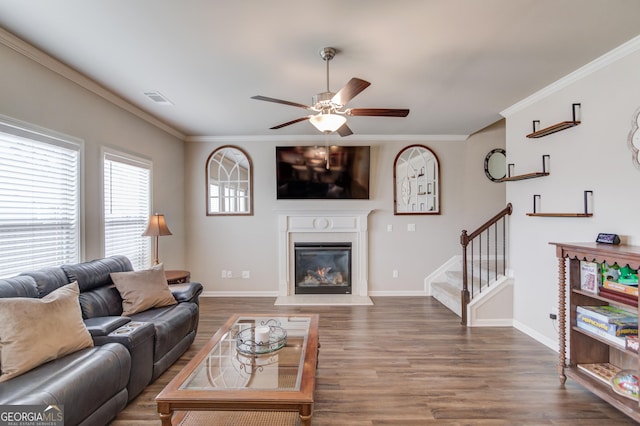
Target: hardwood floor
407,361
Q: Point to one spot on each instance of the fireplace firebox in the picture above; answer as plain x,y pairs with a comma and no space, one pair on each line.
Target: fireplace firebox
322,268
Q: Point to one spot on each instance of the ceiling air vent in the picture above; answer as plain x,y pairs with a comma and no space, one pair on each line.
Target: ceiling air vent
158,98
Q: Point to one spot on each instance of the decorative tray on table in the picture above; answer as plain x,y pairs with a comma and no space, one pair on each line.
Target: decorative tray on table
261,339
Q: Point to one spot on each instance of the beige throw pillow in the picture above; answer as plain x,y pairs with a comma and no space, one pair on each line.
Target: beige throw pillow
142,290
35,331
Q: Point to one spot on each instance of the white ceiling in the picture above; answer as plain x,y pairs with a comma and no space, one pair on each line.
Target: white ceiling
455,63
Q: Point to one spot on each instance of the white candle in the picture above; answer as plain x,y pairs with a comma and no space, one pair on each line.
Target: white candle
262,334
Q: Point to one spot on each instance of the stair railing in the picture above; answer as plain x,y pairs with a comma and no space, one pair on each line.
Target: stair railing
487,247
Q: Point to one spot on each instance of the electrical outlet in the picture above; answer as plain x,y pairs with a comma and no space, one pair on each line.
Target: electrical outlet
389,228
246,274
229,274
223,274
394,273
411,227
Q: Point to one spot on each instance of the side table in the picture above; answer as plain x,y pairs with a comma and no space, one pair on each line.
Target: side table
177,277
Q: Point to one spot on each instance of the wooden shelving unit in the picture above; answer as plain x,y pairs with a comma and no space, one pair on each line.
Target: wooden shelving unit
585,214
533,175
587,348
556,127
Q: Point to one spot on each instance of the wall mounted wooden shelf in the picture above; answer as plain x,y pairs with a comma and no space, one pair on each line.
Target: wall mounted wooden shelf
533,175
560,214
585,214
556,127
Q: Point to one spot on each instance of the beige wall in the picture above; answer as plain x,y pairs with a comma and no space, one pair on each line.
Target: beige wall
592,156
32,93
217,243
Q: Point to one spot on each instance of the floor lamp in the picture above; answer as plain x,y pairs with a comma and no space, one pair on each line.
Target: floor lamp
156,227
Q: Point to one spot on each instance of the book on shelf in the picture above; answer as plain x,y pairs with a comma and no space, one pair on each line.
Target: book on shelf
617,341
619,297
632,343
602,371
608,313
614,328
622,288
589,276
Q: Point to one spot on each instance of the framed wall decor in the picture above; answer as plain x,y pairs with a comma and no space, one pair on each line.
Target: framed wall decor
229,182
416,176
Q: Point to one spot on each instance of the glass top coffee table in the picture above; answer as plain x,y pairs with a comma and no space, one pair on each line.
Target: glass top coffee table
253,363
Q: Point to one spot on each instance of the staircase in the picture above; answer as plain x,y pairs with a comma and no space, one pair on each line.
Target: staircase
480,293
493,305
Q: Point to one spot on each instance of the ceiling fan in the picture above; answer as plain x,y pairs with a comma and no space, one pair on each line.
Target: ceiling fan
329,106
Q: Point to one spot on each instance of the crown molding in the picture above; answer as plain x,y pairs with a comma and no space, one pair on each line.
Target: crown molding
331,139
605,60
36,55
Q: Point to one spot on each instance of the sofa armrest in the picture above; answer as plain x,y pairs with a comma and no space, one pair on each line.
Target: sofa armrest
102,326
186,292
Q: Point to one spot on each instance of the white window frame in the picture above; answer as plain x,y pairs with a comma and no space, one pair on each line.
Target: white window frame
133,160
23,130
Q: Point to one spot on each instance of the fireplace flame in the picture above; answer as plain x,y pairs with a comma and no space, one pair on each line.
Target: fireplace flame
322,272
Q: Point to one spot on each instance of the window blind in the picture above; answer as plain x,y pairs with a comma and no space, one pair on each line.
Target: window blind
127,203
39,201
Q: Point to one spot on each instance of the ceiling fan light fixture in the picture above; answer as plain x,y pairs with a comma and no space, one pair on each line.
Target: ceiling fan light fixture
327,123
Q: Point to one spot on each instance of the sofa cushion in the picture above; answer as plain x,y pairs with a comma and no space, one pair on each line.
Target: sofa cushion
172,324
48,279
83,382
101,302
34,331
95,273
142,290
20,286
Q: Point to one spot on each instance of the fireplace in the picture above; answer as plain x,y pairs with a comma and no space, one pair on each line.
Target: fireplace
322,268
326,228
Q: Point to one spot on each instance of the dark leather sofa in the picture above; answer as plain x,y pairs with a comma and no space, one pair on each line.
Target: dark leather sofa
96,383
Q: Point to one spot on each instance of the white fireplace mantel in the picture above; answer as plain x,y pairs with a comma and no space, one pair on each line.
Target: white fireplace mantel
324,226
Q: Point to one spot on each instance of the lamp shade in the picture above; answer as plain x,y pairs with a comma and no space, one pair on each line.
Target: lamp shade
157,226
327,122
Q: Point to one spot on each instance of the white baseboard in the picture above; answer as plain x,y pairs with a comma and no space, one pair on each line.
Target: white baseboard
551,344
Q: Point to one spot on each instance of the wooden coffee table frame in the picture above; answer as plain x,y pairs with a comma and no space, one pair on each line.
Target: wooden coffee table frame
172,398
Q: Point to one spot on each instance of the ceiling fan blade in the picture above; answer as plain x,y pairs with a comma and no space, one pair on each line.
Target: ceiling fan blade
350,91
377,112
288,123
280,101
344,130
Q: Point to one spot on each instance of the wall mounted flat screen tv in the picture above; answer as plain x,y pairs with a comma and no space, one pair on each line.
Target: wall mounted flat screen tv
322,172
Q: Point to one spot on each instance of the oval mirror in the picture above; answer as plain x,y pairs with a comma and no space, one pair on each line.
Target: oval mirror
229,182
416,174
495,164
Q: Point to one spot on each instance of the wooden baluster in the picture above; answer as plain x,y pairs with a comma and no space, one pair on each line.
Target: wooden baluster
562,330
